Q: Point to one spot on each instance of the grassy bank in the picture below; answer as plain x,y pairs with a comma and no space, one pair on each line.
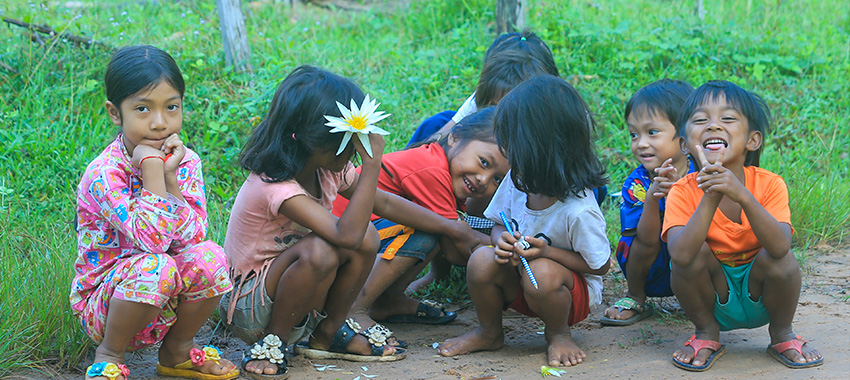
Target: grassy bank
417,61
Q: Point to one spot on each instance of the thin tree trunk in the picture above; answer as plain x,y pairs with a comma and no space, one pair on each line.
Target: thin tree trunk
237,53
510,15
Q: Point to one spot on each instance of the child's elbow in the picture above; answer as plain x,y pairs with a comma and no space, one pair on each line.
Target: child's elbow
603,269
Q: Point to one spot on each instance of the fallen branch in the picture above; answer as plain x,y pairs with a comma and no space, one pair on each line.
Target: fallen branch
44,29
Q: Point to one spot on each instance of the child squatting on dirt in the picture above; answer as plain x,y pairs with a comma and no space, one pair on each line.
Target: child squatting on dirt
728,229
145,272
545,128
651,114
297,268
440,176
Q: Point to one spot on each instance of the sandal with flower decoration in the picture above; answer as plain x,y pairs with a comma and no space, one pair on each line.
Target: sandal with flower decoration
189,368
269,348
110,371
386,332
338,350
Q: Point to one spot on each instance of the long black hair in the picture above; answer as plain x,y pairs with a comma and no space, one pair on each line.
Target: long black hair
546,129
134,68
749,104
294,128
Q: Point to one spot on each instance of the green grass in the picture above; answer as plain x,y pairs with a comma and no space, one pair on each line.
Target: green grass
416,61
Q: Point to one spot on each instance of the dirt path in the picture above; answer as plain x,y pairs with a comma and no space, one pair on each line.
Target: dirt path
641,351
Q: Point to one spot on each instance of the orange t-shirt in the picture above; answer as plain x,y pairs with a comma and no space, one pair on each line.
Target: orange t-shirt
733,244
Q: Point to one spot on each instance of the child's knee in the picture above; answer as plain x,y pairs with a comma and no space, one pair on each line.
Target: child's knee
482,265
781,268
371,243
320,256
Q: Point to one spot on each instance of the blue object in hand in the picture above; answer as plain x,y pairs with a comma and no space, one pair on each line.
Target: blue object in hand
523,246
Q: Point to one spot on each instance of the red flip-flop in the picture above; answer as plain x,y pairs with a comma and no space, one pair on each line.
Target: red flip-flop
699,344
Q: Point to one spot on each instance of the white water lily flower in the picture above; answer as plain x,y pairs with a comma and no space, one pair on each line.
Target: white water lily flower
360,121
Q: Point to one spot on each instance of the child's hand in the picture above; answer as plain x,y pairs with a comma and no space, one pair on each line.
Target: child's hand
665,176
716,180
539,248
377,144
505,248
464,238
173,146
142,151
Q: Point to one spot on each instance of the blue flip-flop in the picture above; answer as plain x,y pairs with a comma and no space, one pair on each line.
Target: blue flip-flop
697,345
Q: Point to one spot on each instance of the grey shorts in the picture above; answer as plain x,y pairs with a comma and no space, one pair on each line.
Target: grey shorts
252,314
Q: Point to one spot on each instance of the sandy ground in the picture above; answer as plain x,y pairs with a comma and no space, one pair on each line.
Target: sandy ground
641,351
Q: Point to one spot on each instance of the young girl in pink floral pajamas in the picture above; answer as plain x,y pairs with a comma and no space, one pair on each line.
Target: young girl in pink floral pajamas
145,272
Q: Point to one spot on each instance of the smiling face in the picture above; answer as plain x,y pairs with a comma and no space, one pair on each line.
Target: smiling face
149,116
654,139
477,168
717,128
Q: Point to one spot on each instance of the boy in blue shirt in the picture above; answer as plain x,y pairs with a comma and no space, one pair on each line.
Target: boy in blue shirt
643,257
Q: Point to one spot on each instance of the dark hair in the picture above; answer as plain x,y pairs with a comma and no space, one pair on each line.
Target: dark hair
511,59
663,97
134,68
503,72
525,42
749,104
545,128
476,126
294,128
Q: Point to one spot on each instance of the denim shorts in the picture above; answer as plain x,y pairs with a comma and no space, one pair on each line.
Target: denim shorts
254,310
740,311
658,279
404,241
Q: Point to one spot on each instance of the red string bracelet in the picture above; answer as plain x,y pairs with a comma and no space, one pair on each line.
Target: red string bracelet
142,161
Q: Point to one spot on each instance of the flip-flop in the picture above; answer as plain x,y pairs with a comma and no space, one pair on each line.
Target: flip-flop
428,312
343,336
188,369
797,343
697,345
628,303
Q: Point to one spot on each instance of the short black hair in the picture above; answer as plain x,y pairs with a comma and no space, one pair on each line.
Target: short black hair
663,97
294,128
749,104
134,68
503,72
546,131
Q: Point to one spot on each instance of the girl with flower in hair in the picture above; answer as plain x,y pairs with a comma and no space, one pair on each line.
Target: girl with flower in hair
296,267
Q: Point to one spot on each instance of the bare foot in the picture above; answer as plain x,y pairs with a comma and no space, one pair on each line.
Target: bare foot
686,353
168,357
563,350
475,340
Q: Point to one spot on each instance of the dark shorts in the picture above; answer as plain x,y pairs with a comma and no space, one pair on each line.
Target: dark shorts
579,310
398,240
658,281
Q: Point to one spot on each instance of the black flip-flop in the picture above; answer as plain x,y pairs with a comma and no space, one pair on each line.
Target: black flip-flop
429,313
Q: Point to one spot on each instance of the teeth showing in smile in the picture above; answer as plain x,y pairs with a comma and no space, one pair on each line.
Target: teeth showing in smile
469,185
715,144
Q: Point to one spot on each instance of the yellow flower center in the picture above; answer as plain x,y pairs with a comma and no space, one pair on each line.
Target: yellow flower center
357,122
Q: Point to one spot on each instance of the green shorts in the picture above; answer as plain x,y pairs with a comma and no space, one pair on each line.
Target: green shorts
254,310
740,311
